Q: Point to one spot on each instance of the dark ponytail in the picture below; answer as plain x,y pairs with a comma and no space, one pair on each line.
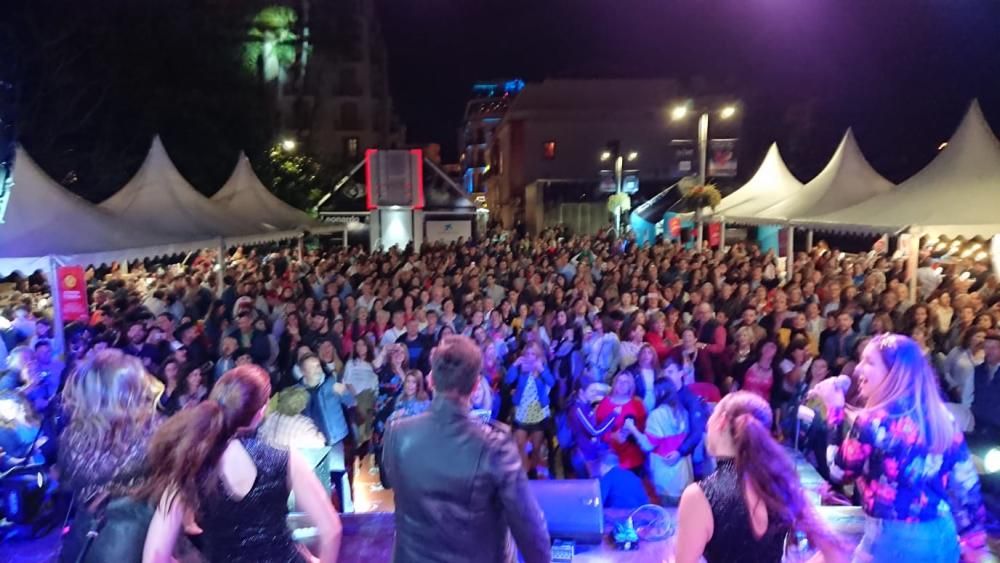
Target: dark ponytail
763,463
185,452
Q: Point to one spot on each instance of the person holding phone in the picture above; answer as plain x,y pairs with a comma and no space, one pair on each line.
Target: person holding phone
532,382
328,401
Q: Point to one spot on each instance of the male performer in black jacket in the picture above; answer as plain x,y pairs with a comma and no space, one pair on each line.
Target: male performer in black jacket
460,489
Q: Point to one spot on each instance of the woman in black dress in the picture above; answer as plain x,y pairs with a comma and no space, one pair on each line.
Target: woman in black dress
746,510
212,478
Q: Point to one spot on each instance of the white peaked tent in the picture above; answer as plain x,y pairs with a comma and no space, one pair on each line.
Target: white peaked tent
846,180
244,196
958,193
771,184
45,220
160,198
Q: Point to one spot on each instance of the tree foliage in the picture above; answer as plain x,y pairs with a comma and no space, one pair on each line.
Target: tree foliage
298,179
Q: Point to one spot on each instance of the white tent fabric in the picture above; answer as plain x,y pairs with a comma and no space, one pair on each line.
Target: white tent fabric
244,196
846,180
771,184
43,219
46,225
958,193
159,197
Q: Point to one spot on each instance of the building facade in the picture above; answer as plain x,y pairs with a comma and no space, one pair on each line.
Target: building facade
483,114
333,100
553,134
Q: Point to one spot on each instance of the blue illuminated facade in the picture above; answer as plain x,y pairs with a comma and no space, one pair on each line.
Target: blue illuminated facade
483,113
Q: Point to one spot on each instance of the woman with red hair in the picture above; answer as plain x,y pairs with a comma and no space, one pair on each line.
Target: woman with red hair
212,477
753,503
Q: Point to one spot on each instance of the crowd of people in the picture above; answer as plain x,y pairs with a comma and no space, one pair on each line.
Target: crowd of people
606,358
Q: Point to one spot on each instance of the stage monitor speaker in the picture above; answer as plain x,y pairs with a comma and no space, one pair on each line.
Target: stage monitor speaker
573,509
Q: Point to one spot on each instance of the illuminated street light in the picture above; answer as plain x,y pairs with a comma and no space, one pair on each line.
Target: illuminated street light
632,156
680,112
288,145
605,156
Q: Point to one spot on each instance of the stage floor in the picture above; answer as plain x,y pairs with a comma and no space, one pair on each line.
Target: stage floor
368,534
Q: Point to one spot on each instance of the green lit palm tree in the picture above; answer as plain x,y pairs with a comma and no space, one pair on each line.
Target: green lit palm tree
274,43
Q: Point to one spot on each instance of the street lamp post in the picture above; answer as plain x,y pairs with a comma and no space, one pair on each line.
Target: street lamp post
614,154
680,112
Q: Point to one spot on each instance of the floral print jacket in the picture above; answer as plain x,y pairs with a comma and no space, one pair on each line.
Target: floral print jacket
900,479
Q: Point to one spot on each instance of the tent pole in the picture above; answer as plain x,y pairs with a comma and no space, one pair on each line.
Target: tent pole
790,251
809,240
698,225
300,247
58,325
722,235
912,262
220,266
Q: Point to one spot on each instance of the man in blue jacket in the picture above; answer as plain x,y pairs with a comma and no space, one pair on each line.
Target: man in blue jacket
328,402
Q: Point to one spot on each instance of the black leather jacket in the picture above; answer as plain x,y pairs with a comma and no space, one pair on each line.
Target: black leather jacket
459,488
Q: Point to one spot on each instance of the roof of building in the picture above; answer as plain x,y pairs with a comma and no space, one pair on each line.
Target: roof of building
575,95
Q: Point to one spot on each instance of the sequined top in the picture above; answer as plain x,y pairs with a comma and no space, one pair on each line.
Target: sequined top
733,539
252,528
90,469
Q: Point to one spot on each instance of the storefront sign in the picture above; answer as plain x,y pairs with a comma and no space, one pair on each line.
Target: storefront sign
72,293
331,219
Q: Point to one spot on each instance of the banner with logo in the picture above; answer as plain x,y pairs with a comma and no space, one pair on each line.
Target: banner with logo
607,182
683,158
674,226
72,294
722,158
630,182
448,231
714,234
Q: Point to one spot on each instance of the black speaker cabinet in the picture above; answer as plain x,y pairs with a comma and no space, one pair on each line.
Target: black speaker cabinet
573,509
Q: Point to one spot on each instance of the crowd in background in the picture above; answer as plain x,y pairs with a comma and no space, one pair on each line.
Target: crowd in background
604,357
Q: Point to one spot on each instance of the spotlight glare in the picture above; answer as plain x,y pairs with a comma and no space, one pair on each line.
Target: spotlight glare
991,462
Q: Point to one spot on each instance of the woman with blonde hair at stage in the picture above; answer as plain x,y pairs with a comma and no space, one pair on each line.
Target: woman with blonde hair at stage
910,462
110,401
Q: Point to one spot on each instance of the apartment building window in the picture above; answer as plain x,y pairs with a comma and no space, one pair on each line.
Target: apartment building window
549,150
349,116
351,147
348,84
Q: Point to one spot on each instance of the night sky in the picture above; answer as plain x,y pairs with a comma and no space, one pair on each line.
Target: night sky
901,72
